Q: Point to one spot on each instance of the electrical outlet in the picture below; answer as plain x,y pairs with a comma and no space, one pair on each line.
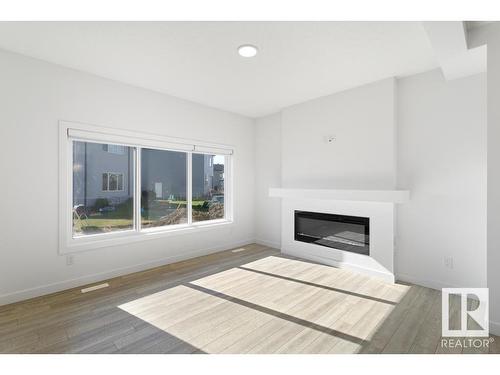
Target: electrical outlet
448,262
69,260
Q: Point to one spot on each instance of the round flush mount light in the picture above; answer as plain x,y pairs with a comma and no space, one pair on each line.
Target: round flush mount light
247,50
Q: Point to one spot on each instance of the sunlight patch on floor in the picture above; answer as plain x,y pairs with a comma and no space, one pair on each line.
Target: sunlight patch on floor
322,309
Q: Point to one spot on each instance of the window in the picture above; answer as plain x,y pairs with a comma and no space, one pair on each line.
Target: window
102,202
208,187
164,188
127,187
112,181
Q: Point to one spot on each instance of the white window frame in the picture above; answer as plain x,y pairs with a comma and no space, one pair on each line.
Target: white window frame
107,184
73,131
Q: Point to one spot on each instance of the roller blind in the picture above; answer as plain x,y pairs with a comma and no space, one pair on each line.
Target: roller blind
213,150
145,141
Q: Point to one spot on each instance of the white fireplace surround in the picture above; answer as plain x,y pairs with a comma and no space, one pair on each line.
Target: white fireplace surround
378,205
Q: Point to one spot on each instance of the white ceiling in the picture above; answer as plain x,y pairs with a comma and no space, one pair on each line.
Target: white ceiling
449,40
198,61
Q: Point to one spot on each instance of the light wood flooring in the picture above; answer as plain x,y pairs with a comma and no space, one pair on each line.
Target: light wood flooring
246,300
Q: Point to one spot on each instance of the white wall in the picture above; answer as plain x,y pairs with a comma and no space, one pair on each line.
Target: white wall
268,174
35,96
362,156
435,147
291,148
490,35
494,175
442,160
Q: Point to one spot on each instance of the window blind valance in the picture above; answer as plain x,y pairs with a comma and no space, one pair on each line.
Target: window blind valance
147,141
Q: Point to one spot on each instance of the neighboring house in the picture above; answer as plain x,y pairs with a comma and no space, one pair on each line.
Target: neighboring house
101,171
164,173
218,180
104,171
203,174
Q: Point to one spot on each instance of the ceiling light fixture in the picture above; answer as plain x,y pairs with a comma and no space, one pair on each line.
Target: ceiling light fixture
247,50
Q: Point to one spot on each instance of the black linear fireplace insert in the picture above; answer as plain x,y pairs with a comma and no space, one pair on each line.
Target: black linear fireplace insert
347,233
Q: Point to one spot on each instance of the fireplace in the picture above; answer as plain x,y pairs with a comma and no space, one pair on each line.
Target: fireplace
347,233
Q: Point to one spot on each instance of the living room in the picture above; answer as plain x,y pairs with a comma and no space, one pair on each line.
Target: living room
260,187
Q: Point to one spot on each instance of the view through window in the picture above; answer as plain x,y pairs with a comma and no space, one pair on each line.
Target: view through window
105,180
163,188
208,187
103,201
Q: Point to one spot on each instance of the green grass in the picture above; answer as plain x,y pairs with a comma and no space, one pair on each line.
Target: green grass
183,203
121,218
101,225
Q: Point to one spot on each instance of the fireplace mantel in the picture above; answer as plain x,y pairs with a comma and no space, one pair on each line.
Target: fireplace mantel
388,196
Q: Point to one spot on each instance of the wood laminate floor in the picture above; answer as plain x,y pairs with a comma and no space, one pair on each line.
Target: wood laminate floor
247,300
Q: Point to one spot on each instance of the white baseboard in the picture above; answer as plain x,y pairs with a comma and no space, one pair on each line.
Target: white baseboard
495,328
432,284
273,244
84,280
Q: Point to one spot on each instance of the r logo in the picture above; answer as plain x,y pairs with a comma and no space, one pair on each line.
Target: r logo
478,314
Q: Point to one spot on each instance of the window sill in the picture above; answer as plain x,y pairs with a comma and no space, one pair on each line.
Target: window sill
93,242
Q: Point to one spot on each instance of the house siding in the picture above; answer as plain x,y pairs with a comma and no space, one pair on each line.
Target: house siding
168,168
